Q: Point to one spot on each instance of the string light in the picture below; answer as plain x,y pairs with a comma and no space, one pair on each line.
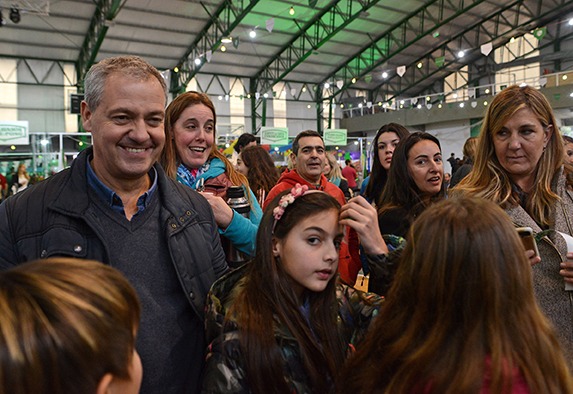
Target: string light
252,33
15,15
291,11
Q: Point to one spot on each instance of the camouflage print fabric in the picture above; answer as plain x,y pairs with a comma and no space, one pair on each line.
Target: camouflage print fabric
383,267
225,369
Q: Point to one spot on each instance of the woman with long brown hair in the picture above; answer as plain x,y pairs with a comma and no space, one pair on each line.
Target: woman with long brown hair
256,164
191,156
519,166
383,146
461,316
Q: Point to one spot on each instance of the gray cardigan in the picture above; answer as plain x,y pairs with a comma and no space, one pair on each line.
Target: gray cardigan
549,286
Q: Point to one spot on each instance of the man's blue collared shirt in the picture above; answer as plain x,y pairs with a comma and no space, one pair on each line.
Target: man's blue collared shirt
112,199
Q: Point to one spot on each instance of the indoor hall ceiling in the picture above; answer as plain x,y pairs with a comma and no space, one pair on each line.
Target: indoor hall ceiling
323,41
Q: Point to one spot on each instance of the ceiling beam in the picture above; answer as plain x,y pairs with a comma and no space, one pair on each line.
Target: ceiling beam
512,19
105,13
324,25
227,16
330,20
406,32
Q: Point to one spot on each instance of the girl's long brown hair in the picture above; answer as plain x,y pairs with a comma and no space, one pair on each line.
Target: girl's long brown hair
268,296
462,298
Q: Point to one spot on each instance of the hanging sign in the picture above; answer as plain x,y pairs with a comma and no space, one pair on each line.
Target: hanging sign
486,48
335,137
14,132
274,136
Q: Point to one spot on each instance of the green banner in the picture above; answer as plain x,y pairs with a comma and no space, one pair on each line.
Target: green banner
335,137
274,136
14,133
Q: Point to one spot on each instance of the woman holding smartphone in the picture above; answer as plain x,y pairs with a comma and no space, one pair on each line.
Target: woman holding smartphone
519,165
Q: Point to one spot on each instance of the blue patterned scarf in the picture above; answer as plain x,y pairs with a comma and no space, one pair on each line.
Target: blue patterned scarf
190,177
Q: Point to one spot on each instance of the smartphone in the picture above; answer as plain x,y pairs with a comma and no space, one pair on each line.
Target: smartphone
526,235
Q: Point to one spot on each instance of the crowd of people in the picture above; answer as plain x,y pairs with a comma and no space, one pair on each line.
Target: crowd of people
115,277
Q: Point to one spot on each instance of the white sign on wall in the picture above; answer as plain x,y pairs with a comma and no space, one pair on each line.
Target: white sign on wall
14,132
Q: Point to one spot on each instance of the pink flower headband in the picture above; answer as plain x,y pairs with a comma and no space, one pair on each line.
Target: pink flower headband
296,192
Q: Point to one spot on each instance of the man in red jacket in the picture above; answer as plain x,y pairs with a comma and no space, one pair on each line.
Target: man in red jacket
308,155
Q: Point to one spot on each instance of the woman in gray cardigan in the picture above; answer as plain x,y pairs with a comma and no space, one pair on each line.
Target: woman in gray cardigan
519,165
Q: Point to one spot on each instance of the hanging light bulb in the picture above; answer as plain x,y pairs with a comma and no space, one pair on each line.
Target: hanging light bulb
223,48
15,15
252,33
291,11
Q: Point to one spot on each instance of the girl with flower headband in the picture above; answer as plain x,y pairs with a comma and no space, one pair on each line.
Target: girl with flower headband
281,323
